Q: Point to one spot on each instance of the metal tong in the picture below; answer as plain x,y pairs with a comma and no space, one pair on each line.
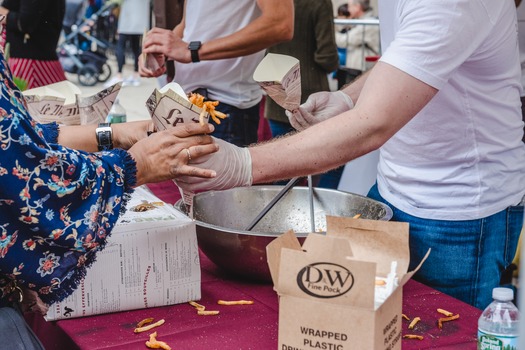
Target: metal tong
280,195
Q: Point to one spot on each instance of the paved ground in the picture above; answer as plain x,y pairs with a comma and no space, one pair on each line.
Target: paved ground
132,98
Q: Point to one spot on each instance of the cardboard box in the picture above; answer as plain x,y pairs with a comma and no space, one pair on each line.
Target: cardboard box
327,286
151,259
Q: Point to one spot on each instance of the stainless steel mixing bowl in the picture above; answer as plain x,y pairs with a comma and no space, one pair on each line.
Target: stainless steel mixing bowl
222,216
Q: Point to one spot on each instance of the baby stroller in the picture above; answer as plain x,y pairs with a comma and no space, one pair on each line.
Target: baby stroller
91,67
84,54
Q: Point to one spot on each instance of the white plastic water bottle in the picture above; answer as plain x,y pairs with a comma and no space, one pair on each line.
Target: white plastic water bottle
498,327
117,113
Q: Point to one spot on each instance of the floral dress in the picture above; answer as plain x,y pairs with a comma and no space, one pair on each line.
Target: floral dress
57,205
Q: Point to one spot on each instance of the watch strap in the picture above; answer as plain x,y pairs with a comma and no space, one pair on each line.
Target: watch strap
194,47
104,135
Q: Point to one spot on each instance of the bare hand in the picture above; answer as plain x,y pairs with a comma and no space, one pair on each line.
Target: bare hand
152,65
126,135
167,43
165,155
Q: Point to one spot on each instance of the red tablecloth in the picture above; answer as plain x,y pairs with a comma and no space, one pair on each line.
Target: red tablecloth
244,327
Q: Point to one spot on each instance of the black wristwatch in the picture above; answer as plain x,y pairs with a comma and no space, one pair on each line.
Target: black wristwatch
194,47
104,136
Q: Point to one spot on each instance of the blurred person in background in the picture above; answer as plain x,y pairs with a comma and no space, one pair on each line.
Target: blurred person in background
342,13
359,40
32,29
313,44
61,193
449,128
217,59
133,22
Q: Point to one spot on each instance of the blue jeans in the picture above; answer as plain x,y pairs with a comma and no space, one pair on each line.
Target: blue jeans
467,257
329,179
240,127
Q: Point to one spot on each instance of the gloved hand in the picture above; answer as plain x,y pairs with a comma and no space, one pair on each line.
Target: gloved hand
318,107
232,164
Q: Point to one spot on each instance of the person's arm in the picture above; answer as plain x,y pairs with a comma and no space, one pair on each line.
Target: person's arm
160,157
124,135
273,26
389,99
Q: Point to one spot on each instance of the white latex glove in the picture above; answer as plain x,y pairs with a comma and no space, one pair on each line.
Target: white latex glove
232,164
318,107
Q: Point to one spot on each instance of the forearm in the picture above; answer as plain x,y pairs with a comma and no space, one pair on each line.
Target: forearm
354,88
382,108
83,137
273,26
312,151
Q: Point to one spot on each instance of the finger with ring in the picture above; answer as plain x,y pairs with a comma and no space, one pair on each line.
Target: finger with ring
188,153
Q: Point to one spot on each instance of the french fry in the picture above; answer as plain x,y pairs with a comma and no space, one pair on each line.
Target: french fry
215,115
207,313
414,322
197,305
356,216
380,282
149,326
144,321
413,336
153,343
446,319
207,107
235,302
203,113
405,317
445,312
196,99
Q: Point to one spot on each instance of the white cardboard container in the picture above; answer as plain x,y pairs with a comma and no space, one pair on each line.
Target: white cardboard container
326,286
151,259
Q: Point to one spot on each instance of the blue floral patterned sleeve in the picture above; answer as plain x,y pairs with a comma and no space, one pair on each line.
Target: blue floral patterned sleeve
50,132
57,205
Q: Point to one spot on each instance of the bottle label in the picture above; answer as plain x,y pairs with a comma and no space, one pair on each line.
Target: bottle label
116,118
496,341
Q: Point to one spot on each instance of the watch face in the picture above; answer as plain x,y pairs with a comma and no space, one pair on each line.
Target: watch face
194,45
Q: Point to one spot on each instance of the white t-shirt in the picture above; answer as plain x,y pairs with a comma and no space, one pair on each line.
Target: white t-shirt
521,37
229,80
462,156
